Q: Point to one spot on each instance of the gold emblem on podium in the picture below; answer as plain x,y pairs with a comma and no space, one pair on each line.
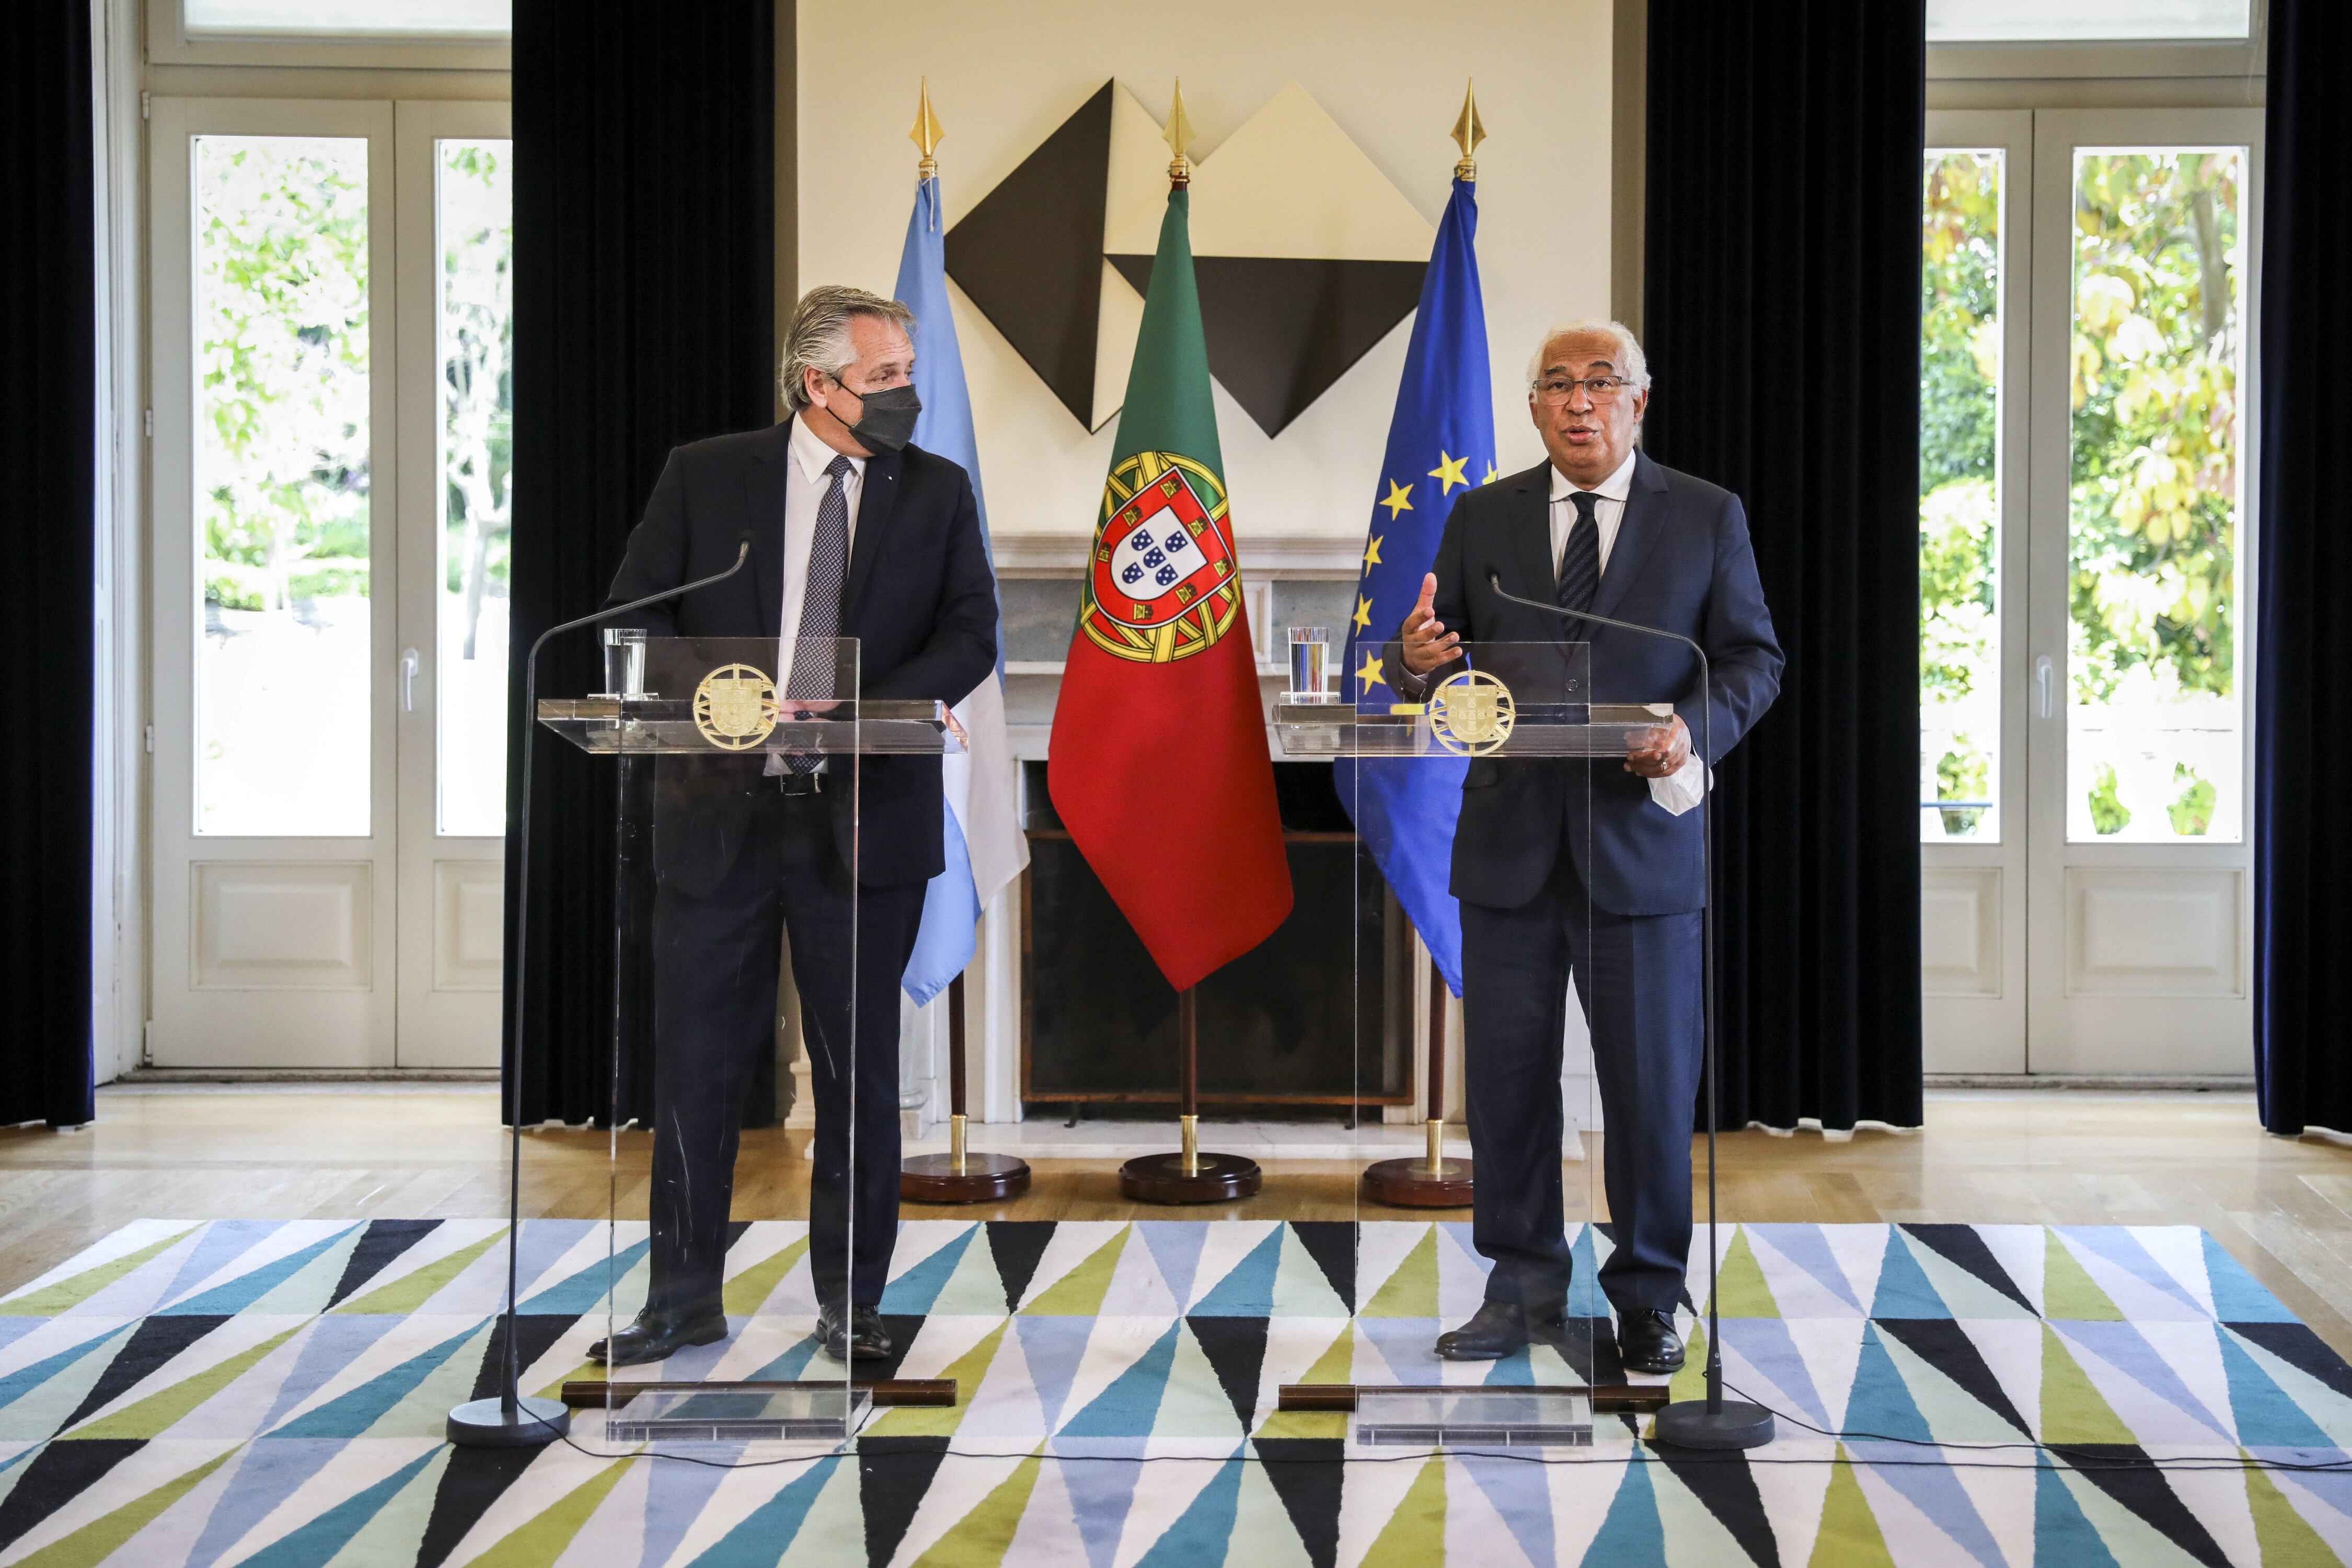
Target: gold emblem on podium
735,707
1471,713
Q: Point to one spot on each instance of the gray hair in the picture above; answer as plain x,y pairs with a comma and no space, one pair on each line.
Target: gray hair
1631,364
818,337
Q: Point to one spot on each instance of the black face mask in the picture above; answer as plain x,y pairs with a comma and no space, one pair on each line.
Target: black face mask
885,419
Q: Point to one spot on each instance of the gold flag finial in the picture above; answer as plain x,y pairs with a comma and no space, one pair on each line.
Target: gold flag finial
927,133
1468,131
1180,136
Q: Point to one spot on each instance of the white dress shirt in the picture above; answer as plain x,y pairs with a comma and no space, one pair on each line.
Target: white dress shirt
1681,790
805,483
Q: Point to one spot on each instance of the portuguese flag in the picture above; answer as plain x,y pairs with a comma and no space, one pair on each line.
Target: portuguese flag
1158,763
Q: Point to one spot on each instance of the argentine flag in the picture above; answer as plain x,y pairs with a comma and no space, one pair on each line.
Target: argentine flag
1441,443
985,847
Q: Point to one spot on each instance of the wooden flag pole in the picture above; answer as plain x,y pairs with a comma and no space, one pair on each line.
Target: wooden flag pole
1432,1181
1189,1176
959,1176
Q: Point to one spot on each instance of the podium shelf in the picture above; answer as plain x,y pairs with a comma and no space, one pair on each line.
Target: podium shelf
667,725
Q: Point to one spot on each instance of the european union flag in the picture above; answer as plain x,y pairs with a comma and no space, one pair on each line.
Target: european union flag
1441,439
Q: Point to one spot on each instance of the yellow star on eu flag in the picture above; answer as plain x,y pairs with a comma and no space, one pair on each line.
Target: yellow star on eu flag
1363,615
1448,471
1370,674
1399,499
1493,473
1372,551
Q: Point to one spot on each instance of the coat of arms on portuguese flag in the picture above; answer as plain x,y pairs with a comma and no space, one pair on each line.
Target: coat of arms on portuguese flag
1158,763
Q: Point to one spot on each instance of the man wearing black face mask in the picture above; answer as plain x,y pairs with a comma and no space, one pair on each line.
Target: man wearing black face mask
855,533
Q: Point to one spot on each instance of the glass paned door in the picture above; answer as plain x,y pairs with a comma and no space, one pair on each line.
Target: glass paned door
456,182
2086,316
275,469
333,288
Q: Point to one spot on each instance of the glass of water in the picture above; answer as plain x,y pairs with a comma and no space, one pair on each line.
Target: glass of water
1310,680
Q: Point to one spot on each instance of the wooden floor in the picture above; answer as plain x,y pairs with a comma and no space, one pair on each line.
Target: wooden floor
2281,1206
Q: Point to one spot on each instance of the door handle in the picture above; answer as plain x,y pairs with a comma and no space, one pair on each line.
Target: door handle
2045,686
408,667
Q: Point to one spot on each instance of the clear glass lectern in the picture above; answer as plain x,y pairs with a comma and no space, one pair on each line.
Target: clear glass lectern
1482,749
743,765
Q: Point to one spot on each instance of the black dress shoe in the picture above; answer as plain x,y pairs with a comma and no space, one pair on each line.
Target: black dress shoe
657,1336
862,1337
1499,1328
1646,1340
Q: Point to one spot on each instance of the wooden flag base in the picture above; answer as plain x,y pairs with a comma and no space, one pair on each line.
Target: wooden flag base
1433,1181
1189,1176
959,1176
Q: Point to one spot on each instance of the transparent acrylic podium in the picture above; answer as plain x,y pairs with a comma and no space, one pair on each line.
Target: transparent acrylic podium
728,751
1407,755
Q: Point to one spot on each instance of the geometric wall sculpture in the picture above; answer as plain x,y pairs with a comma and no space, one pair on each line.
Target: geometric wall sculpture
1306,253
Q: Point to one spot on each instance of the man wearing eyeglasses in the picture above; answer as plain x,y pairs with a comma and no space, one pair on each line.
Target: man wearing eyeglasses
1591,869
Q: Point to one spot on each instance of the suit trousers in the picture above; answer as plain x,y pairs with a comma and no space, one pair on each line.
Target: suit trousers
1639,979
714,1017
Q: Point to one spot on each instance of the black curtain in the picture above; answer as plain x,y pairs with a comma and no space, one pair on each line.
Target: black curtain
644,317
49,353
2302,839
1780,309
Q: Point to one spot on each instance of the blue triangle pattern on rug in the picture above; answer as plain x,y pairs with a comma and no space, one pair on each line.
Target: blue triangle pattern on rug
315,1543
236,1295
1248,1289
1903,1289
1203,1532
584,1289
1102,1491
2238,1296
1126,1408
352,1412
2061,1532
2266,1417
266,1475
26,1379
1630,1536
911,1294
759,1539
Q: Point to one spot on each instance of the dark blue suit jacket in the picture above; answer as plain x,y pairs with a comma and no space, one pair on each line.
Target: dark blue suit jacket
1681,561
920,598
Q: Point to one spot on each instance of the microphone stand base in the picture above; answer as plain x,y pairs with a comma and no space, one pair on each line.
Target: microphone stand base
1689,1424
486,1423
937,1178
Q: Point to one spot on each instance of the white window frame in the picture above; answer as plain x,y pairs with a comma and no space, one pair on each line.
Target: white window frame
168,44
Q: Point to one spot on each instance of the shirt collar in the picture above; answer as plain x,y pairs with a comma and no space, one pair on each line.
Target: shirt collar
1616,486
813,455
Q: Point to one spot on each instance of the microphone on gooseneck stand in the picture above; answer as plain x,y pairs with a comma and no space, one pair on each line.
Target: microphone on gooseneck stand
1709,1423
509,1418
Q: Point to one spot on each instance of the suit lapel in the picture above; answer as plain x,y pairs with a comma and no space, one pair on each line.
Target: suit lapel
877,503
1528,544
1637,535
764,504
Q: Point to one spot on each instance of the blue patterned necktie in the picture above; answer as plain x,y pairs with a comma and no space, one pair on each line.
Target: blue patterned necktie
1580,558
813,654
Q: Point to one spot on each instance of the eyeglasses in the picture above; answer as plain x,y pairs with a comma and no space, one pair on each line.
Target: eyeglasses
1600,388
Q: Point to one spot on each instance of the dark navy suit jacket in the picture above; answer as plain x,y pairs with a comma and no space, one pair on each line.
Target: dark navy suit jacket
1681,561
920,598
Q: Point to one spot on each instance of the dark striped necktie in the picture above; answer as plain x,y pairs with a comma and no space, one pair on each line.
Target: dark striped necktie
814,666
1580,558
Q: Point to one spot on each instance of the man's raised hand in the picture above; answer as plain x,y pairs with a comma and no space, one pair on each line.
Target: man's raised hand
1427,644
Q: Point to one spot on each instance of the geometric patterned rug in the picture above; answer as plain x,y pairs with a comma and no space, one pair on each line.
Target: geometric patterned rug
271,1393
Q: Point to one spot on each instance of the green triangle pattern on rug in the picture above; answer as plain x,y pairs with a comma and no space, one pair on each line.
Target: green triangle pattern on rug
1336,1364
1079,1294
412,1290
539,1541
1739,1282
2068,1292
150,1417
980,1538
1415,1534
967,1371
1411,1290
2073,1408
749,1291
1849,1536
99,1539
318,1540
65,1295
2284,1536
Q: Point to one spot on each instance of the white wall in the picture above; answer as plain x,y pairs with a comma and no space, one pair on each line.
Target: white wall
1002,76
